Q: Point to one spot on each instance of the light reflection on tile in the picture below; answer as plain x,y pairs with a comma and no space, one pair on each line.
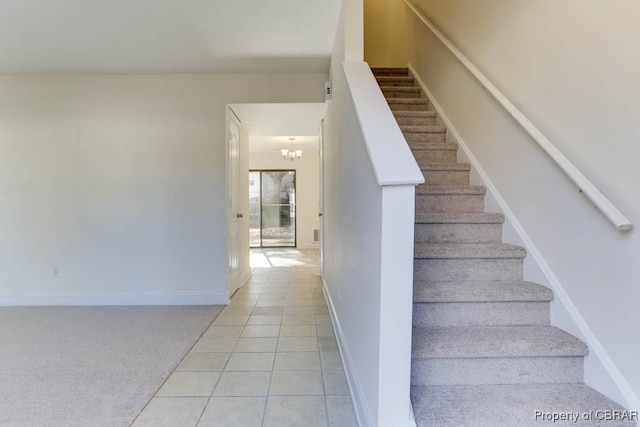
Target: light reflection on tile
269,359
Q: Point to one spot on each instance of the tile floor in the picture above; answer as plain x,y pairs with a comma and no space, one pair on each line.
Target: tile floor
269,359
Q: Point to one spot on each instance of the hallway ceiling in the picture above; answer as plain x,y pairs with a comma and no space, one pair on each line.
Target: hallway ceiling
166,36
270,125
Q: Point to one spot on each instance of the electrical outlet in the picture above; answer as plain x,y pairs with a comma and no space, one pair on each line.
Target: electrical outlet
56,272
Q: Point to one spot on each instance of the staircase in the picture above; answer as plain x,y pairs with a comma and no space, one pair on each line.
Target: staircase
484,352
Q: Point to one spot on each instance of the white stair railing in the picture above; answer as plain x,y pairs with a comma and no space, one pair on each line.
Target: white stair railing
617,218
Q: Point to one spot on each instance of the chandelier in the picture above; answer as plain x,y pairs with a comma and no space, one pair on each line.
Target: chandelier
290,153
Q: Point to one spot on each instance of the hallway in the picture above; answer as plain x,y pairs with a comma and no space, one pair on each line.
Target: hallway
269,359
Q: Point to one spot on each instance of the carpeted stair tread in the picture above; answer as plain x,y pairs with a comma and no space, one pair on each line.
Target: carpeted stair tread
486,291
383,79
390,70
446,167
411,117
423,129
412,101
407,89
457,227
425,114
508,405
495,341
459,218
433,146
468,250
451,189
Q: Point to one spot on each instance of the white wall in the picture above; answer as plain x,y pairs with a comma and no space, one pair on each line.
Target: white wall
387,40
368,259
307,189
369,178
572,68
118,181
352,217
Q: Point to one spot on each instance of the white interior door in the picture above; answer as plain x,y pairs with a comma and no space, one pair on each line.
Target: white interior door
234,214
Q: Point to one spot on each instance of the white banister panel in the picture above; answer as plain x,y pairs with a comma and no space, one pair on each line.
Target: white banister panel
390,155
368,221
617,218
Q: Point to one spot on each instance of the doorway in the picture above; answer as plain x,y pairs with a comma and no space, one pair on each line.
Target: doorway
272,208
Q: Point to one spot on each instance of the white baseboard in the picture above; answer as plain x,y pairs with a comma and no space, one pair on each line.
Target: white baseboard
244,278
313,245
79,299
363,413
601,373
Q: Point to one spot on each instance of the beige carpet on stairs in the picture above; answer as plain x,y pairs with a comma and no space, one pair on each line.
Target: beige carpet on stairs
484,352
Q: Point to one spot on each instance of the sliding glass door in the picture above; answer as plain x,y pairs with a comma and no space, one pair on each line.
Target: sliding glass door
272,208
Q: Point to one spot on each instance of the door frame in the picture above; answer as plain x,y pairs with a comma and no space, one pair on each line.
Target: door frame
233,278
321,201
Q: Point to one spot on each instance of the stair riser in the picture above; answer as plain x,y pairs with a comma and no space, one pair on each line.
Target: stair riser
388,73
431,137
390,93
427,157
511,405
408,107
416,121
439,203
458,233
433,177
395,83
485,371
480,314
466,270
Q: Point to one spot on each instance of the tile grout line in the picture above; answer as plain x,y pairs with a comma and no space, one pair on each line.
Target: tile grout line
174,368
324,388
275,353
221,372
297,290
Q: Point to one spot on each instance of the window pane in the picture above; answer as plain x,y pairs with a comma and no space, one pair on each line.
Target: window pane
278,208
254,209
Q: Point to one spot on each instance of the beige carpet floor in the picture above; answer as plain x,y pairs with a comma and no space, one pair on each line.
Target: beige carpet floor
89,366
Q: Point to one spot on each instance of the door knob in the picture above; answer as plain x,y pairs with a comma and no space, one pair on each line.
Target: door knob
239,215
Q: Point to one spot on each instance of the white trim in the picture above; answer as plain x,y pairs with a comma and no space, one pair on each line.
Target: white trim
396,304
237,119
587,334
363,413
614,215
244,278
91,299
312,245
411,422
229,216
